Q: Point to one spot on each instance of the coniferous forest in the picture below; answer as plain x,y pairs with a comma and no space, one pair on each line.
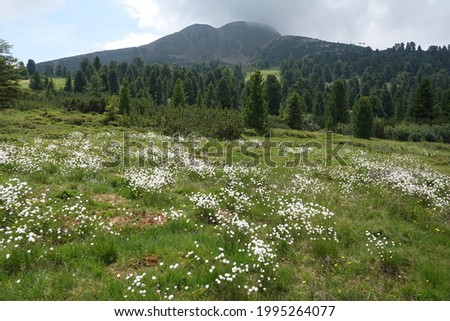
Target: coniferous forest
407,89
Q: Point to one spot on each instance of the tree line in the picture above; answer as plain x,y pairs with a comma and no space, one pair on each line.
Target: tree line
362,92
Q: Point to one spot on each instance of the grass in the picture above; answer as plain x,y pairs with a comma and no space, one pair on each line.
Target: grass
265,72
97,233
59,83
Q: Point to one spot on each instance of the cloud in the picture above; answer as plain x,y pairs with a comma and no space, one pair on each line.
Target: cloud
379,23
132,40
18,9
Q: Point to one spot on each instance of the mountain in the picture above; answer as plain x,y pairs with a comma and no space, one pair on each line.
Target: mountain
235,43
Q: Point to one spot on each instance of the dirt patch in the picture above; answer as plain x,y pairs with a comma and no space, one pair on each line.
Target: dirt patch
151,261
135,265
112,199
139,219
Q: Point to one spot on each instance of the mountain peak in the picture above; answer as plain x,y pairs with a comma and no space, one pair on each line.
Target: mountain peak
233,43
239,42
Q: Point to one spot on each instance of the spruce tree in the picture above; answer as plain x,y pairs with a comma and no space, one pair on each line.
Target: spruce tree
256,111
362,118
79,82
124,100
422,107
36,82
68,85
318,108
113,82
96,63
178,94
31,67
446,108
386,101
295,107
339,99
273,94
9,86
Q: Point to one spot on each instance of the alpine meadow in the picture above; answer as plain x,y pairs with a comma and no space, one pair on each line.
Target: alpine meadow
230,164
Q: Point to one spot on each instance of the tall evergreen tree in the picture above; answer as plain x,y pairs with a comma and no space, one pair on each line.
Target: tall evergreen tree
95,86
256,110
224,96
446,107
422,107
50,88
399,105
339,99
96,63
362,118
113,82
178,94
79,82
31,67
295,107
9,86
273,94
318,108
124,100
386,101
68,85
36,82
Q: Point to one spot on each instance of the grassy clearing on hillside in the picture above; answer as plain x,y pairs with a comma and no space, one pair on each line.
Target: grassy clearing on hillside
87,215
59,83
265,72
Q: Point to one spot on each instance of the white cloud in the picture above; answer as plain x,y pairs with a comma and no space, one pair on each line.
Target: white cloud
147,13
379,23
16,9
132,40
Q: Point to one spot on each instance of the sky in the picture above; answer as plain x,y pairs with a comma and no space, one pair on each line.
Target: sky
49,29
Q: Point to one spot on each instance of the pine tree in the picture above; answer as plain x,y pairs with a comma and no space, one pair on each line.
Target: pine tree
79,82
339,99
96,63
318,108
223,94
422,107
50,89
113,82
36,82
362,118
9,86
124,100
446,107
31,67
295,106
386,100
273,94
399,105
256,111
111,110
68,86
95,85
178,94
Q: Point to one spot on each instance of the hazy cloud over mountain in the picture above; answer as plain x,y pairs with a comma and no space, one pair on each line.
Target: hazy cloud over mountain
379,23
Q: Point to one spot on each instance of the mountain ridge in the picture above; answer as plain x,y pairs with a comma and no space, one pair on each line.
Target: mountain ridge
240,42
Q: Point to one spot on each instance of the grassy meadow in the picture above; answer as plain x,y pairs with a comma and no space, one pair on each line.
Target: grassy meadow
89,212
272,71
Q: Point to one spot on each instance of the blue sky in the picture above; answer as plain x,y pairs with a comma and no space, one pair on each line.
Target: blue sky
50,29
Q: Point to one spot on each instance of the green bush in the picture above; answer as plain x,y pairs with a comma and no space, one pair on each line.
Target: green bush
218,123
417,133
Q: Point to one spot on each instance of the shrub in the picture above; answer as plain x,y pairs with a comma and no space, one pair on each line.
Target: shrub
416,133
362,118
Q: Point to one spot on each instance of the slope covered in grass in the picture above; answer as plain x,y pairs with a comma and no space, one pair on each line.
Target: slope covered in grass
88,213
